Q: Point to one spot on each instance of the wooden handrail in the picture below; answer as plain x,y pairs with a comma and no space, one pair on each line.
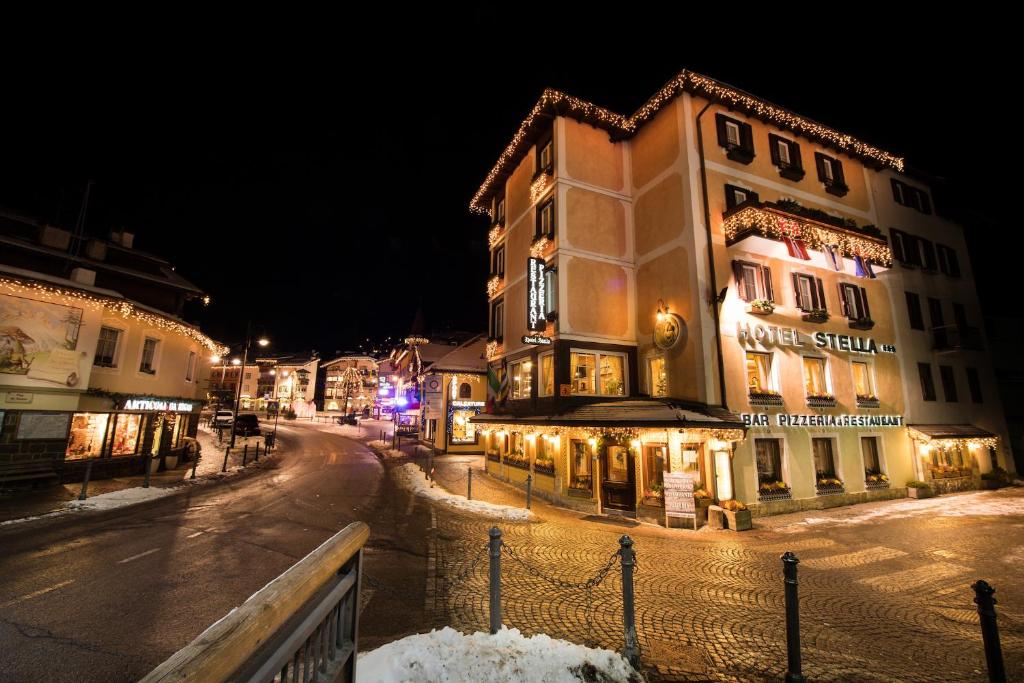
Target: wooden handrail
226,645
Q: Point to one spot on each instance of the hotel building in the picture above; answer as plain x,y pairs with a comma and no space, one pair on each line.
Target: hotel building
347,384
719,287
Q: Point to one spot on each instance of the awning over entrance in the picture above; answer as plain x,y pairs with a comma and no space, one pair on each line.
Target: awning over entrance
966,432
651,413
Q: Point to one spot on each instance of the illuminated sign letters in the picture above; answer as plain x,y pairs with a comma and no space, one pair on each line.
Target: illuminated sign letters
536,339
769,335
156,404
536,295
814,420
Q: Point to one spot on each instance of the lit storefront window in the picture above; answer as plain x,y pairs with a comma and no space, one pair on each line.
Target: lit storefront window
659,378
87,433
521,380
580,478
814,376
463,431
862,379
759,372
547,375
126,434
585,379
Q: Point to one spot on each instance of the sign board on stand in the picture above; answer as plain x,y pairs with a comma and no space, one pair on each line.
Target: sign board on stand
679,503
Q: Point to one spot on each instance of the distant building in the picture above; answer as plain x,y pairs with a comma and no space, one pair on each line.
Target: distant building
454,391
268,383
335,394
95,360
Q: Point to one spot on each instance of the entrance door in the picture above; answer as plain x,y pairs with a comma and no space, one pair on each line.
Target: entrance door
618,479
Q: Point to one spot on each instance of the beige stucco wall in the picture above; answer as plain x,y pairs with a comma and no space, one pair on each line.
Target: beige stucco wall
597,296
591,157
656,146
595,222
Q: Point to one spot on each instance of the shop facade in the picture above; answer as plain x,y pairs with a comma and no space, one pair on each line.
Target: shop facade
454,392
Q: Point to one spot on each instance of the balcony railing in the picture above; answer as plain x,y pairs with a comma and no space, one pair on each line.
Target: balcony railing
956,338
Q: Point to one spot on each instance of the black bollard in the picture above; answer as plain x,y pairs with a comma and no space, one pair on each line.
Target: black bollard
85,482
631,647
469,482
226,451
529,489
494,551
195,464
983,593
148,460
245,454
257,451
794,672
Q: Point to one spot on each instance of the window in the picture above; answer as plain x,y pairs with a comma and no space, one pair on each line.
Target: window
580,478
465,390
462,429
830,173
974,385
924,371
148,364
126,434
546,376
499,210
737,196
546,156
106,348
768,453
759,373
190,366
786,155
520,379
753,281
949,264
655,459
948,383
824,458
928,260
498,320
854,301
545,220
960,316
863,387
736,137
914,311
87,434
657,377
598,373
809,291
551,291
900,247
910,196
498,261
869,450
815,377
935,312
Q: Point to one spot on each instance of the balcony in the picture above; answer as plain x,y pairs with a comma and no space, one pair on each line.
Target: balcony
952,338
814,228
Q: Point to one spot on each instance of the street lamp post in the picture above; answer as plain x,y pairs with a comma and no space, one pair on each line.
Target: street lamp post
241,376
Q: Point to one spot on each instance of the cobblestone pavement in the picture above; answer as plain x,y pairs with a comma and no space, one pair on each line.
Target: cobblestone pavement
881,599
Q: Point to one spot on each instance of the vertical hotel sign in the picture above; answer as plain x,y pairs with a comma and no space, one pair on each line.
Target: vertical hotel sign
536,295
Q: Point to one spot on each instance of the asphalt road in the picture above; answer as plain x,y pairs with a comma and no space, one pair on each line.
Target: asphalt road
107,596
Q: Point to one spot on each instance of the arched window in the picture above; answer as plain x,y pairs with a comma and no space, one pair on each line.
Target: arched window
465,390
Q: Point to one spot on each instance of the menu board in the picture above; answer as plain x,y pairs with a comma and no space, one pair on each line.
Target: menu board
678,492
43,426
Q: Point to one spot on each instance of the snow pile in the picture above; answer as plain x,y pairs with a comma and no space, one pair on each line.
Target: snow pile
379,445
506,657
117,499
410,476
980,504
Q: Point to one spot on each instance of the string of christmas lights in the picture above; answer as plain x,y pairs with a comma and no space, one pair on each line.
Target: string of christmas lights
774,224
120,307
686,81
621,434
538,248
494,285
495,235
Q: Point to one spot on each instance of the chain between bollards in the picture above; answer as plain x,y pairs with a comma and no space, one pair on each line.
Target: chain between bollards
983,593
529,489
85,482
469,482
631,649
794,668
494,551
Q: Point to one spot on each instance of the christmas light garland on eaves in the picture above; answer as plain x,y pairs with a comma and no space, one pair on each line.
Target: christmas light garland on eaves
685,81
121,307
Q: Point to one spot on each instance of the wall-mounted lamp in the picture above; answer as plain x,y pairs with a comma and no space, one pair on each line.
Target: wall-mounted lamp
662,310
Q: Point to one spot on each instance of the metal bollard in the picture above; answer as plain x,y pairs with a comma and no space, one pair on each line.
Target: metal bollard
469,482
245,454
257,451
495,579
85,482
529,489
148,462
631,650
989,630
195,464
794,673
226,451
430,467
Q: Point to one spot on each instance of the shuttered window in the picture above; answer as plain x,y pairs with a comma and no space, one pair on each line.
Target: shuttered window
753,281
854,301
809,292
736,137
830,173
737,196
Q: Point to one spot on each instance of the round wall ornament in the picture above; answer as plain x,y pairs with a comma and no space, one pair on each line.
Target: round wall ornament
668,330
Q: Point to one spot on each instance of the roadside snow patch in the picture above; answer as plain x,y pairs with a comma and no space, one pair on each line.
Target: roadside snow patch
117,499
506,657
410,476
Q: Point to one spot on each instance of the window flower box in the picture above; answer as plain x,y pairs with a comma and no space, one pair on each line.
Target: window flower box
862,324
838,189
821,400
769,491
743,155
494,457
817,315
829,486
791,172
877,480
867,401
547,468
517,460
765,398
761,307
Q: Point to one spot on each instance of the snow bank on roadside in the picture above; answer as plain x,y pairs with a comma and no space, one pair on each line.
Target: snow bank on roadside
410,476
505,657
117,499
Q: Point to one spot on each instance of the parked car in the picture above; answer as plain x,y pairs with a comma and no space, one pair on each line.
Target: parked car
222,418
348,420
247,424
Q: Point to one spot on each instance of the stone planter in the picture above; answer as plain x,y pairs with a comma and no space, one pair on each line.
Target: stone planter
920,493
738,520
154,464
170,462
716,517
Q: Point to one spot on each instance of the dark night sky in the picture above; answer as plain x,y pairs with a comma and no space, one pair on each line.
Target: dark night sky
321,191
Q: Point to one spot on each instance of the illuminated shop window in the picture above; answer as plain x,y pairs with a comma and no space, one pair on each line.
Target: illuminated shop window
546,377
580,477
768,453
598,373
126,434
759,373
521,380
658,378
463,431
87,433
655,462
862,384
815,377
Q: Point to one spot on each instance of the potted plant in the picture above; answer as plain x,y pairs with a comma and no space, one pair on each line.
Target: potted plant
655,495
919,489
737,516
829,485
761,307
701,503
815,315
862,323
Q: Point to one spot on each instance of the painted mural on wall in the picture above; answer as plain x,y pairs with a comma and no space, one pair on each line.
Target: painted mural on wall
39,340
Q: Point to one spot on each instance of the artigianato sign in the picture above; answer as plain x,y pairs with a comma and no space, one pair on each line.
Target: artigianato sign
801,420
535,295
154,404
769,335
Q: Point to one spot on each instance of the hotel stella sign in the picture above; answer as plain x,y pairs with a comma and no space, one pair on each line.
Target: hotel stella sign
770,335
536,295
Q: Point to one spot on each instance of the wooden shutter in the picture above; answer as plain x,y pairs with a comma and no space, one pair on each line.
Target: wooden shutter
819,161
928,252
837,172
766,276
864,303
723,138
898,192
747,137
896,241
794,155
821,294
737,271
773,149
796,292
844,307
